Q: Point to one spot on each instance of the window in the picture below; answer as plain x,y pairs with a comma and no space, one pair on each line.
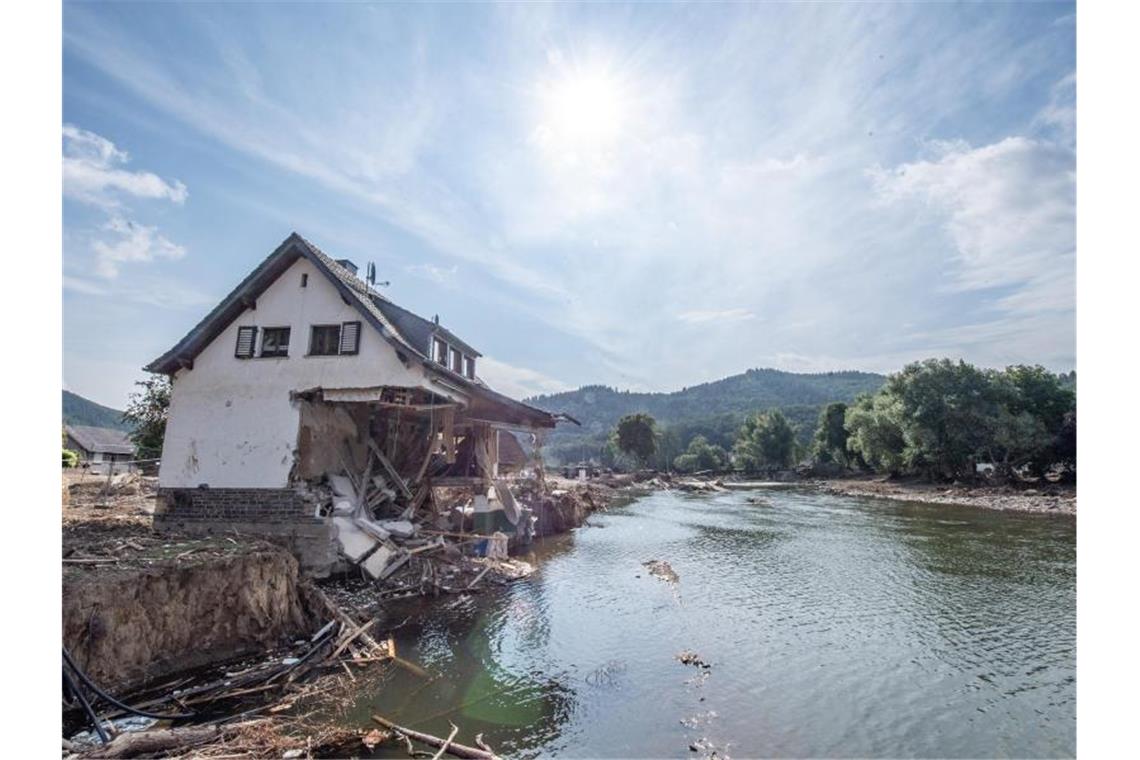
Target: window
304,279
246,340
469,366
325,340
275,341
333,340
456,362
439,351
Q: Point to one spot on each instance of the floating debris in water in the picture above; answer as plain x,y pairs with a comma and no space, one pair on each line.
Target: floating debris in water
689,657
662,570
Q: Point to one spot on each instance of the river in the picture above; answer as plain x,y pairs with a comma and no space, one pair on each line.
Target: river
834,626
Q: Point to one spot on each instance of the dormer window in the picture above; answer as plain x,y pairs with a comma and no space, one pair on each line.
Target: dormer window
469,367
439,351
456,362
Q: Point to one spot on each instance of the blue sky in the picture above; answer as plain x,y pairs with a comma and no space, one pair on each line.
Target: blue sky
646,196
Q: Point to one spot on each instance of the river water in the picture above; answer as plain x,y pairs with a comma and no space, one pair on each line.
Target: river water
834,626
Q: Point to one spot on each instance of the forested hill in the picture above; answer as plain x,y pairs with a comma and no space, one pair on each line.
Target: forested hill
727,401
80,411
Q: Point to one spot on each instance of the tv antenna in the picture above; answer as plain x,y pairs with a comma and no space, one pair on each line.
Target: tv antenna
370,277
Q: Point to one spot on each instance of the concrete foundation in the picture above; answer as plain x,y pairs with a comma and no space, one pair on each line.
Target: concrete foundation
282,515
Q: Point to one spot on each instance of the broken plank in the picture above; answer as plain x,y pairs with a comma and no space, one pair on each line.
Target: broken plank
393,475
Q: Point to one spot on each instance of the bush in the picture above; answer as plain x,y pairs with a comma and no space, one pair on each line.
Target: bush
70,458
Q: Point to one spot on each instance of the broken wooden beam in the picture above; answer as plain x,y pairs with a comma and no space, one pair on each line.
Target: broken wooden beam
453,748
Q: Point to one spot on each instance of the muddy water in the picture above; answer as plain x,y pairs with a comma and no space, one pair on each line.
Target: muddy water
834,627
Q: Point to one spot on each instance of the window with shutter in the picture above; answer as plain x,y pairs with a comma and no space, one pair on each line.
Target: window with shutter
324,340
350,338
246,340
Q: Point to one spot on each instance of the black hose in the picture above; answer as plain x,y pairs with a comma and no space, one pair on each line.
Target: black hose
86,707
122,706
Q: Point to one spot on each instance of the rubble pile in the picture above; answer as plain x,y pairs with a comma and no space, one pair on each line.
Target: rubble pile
408,538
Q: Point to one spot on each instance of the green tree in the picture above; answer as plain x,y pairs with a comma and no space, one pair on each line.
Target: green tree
700,456
146,411
830,442
947,410
636,435
766,440
875,435
70,458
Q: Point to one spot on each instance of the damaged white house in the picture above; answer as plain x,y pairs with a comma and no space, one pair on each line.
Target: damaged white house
304,375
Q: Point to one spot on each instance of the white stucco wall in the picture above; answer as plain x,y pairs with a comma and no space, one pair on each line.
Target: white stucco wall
231,423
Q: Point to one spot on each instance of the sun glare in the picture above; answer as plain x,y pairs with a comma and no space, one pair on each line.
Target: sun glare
583,111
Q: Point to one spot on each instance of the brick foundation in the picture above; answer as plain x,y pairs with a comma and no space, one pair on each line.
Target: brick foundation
282,515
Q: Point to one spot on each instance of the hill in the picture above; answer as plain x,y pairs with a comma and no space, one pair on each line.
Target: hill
714,409
80,411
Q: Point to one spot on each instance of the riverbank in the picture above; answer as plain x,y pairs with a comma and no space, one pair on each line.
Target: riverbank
226,627
1049,498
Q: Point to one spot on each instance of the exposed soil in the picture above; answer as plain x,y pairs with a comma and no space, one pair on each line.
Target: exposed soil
1047,498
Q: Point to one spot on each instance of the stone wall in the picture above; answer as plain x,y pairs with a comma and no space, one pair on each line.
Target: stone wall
282,515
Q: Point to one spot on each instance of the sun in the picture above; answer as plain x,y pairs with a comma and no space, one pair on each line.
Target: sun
583,111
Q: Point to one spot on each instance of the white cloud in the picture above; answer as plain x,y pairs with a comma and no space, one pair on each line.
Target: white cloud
92,173
517,382
434,272
167,293
1009,209
134,243
717,315
1060,113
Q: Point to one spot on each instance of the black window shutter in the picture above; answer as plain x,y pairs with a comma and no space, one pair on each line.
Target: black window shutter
246,340
350,338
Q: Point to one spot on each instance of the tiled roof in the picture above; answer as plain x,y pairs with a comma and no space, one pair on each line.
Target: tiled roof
105,440
406,330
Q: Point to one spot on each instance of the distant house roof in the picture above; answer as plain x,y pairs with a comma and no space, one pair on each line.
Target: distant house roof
103,440
408,333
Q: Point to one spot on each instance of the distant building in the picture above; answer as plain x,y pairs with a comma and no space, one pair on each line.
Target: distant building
101,448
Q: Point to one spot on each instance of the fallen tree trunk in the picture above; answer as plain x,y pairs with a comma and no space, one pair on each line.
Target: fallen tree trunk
134,743
458,750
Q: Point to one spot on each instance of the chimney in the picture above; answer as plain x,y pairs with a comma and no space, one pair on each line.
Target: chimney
435,319
347,264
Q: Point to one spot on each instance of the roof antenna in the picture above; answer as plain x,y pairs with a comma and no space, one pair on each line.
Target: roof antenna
370,277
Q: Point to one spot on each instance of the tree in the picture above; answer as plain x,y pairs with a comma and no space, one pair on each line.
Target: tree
946,410
146,410
668,448
830,443
636,435
766,440
875,434
701,455
70,458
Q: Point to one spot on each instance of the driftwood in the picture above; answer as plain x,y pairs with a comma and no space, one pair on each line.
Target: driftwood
447,742
452,748
134,743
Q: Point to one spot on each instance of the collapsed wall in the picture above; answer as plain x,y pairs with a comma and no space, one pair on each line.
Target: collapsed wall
126,627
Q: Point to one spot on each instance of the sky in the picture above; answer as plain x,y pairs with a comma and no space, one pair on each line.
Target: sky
646,196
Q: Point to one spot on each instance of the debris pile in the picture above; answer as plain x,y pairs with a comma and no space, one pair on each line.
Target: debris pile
201,706
409,538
